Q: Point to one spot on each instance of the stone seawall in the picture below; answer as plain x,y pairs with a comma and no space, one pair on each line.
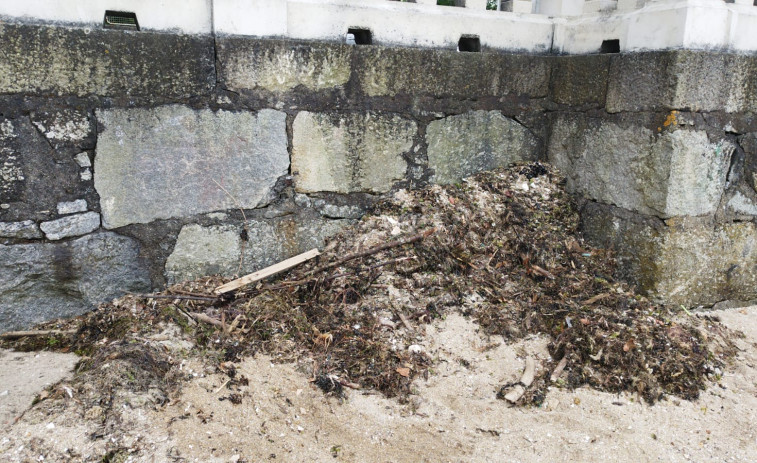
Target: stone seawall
126,159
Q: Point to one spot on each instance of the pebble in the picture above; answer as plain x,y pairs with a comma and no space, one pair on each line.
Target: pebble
415,349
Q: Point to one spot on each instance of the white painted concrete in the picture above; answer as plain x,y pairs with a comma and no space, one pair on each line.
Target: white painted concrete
661,25
395,23
522,6
476,4
560,7
185,16
563,26
260,18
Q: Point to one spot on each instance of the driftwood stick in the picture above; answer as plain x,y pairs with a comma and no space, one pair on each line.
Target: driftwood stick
525,381
187,293
349,384
375,249
287,284
559,369
24,334
268,271
207,319
177,296
405,321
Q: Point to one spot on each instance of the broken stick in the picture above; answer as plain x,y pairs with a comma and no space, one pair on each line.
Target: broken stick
24,334
375,250
176,296
525,381
207,319
266,272
559,369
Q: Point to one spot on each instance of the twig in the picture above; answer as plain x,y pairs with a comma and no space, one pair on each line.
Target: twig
234,323
542,272
528,373
176,296
386,322
404,320
525,381
348,384
287,284
375,249
24,334
189,318
559,369
204,318
222,386
596,298
188,293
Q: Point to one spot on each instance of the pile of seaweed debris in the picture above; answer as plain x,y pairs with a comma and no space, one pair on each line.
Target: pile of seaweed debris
500,247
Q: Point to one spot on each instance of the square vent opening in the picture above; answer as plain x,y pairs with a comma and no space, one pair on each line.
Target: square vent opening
120,20
610,46
469,43
361,36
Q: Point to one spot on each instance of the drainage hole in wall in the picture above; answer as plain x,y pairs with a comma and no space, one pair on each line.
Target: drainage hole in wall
120,20
610,46
469,43
361,36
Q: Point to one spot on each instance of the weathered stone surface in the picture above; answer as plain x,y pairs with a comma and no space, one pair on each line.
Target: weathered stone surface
63,61
698,172
66,129
72,207
689,261
216,250
165,162
411,71
71,225
636,239
279,65
11,172
460,146
702,264
749,143
351,152
32,180
82,159
43,281
683,79
20,230
675,173
203,251
286,66
740,204
335,206
580,80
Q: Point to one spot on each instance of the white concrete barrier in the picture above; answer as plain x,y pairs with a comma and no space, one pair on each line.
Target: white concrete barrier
662,25
185,16
562,26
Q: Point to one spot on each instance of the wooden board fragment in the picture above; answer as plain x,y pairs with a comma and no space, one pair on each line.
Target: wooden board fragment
268,271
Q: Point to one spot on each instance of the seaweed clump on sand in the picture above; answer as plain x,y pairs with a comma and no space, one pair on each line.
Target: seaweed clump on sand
501,247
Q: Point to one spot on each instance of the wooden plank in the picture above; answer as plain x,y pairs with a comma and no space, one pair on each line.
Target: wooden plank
268,271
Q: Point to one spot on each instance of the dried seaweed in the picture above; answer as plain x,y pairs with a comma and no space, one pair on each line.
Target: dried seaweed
501,247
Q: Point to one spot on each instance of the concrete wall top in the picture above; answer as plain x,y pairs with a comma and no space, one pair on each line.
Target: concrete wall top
185,16
538,26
